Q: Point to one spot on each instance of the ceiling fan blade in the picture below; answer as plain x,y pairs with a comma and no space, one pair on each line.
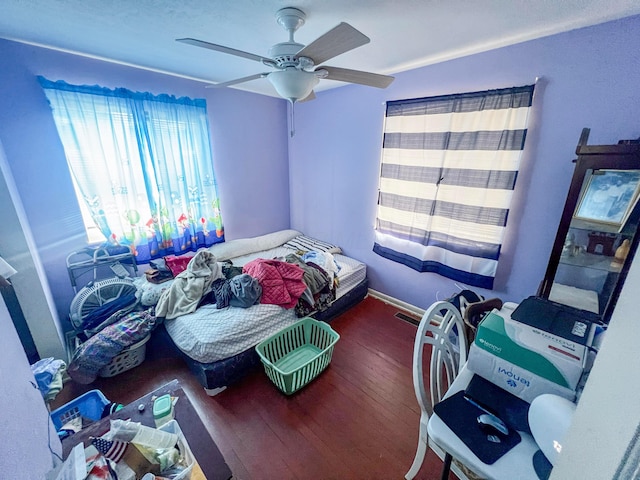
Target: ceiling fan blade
308,98
357,76
336,41
237,80
223,49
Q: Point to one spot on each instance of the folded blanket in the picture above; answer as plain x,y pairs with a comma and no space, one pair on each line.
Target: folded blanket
189,286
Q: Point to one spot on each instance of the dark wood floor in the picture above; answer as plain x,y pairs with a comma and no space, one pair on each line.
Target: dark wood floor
357,420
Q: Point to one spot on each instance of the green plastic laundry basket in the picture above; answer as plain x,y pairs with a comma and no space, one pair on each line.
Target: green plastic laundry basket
296,355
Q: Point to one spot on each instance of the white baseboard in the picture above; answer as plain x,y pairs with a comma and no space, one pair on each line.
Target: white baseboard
383,297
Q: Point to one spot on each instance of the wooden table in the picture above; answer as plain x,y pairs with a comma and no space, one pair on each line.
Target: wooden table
202,445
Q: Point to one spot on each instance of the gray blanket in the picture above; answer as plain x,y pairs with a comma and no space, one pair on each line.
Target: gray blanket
189,286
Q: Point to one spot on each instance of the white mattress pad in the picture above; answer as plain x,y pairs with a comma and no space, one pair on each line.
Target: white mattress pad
209,334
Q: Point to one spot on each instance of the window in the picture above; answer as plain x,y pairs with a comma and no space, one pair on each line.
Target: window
141,166
449,166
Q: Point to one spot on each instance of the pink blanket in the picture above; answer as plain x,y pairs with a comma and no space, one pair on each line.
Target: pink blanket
281,282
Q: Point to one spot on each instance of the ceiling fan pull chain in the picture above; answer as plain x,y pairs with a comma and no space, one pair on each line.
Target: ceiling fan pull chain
293,119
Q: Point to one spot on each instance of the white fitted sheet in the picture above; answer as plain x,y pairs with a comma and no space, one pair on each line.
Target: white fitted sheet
209,334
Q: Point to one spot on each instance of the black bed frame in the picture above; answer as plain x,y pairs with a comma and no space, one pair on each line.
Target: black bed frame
217,375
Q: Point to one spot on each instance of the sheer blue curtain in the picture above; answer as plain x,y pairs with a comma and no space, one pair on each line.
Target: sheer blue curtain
142,164
449,167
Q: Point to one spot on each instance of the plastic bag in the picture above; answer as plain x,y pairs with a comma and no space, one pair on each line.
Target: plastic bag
48,374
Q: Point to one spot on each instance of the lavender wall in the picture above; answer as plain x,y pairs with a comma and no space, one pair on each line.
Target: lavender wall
328,185
26,432
590,78
249,146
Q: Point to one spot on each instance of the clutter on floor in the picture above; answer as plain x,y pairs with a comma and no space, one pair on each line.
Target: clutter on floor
110,327
81,412
128,450
49,373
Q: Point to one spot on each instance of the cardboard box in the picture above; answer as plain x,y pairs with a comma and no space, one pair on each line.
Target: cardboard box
524,360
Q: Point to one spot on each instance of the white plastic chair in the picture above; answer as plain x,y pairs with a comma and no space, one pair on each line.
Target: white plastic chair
441,327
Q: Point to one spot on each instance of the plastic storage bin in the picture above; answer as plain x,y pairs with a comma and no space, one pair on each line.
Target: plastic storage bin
296,355
89,405
187,457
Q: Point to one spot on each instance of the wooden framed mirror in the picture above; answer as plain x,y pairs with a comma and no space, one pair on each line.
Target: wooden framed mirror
598,232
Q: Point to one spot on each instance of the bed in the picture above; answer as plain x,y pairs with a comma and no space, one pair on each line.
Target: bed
219,344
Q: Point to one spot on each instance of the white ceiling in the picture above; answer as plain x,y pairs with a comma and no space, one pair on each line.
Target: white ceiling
404,34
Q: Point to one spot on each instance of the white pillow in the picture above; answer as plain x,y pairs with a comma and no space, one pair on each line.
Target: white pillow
149,293
245,246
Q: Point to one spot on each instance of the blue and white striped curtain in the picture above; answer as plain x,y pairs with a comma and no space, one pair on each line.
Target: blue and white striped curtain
449,167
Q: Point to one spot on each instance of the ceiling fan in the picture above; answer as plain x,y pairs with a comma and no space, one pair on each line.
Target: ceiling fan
295,66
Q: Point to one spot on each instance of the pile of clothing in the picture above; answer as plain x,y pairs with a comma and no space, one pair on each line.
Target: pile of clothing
305,282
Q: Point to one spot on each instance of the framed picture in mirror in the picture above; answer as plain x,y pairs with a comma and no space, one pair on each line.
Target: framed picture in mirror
609,197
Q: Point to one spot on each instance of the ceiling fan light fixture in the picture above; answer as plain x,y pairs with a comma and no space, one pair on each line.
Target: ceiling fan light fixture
293,84
294,77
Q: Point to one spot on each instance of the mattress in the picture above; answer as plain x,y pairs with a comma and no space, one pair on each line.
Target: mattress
351,272
223,373
209,335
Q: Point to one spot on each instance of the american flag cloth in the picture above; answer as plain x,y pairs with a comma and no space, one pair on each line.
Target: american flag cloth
100,468
113,450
